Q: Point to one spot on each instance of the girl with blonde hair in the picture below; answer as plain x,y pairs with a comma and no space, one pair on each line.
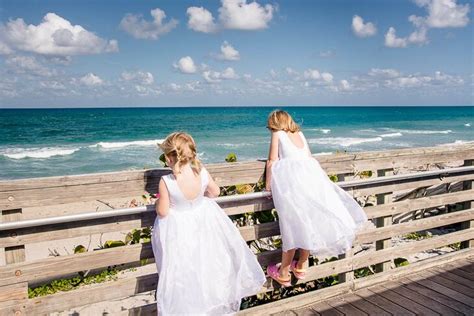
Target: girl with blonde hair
204,265
315,215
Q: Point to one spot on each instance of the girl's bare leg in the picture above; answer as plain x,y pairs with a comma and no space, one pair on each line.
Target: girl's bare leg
303,259
286,258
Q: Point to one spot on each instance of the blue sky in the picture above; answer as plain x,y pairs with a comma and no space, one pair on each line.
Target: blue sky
235,52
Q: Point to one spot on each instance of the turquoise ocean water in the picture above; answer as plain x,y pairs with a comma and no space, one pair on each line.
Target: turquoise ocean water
50,142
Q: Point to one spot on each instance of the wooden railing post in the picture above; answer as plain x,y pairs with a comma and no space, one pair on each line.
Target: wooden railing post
13,295
467,185
383,198
346,276
13,254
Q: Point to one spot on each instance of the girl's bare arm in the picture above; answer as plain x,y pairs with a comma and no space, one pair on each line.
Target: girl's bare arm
272,157
163,203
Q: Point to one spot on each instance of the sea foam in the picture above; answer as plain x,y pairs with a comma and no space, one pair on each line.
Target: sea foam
40,153
343,141
398,134
115,145
322,130
416,131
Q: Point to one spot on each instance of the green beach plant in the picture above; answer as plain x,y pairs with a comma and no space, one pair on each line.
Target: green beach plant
232,157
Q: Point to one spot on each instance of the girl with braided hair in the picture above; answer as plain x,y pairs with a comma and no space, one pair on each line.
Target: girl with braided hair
204,265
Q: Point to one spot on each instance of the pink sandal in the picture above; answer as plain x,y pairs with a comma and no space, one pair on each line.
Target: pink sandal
274,273
300,274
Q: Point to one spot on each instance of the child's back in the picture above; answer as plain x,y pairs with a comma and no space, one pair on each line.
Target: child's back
204,265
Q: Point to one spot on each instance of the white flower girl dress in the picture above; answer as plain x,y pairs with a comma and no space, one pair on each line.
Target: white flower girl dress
314,213
204,265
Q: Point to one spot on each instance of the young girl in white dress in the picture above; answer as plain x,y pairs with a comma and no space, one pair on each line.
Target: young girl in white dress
315,215
204,265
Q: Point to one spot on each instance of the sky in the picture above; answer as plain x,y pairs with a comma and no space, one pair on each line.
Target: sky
235,52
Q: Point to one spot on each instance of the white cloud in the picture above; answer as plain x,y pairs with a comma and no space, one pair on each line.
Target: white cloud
142,77
418,81
345,85
229,73
228,52
362,29
391,39
140,28
384,73
186,65
441,14
28,65
214,76
54,36
445,13
240,15
211,76
419,35
291,72
91,80
201,20
327,77
327,54
312,74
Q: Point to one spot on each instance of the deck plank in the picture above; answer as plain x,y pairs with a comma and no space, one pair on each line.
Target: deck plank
458,306
439,278
421,299
401,300
382,302
462,273
468,268
454,277
443,290
345,307
365,306
325,309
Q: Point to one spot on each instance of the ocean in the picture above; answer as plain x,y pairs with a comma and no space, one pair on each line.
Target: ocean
53,142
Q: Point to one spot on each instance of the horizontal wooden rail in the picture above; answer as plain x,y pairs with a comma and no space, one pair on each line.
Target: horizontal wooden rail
49,267
369,184
41,192
133,285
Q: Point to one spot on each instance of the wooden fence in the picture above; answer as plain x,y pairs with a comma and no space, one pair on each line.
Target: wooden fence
392,172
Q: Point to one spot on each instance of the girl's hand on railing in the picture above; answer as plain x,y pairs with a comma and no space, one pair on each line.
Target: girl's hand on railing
269,190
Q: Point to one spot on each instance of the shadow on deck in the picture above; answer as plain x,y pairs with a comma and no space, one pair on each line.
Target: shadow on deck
443,290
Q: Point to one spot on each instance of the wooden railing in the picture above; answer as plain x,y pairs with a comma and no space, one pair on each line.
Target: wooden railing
37,211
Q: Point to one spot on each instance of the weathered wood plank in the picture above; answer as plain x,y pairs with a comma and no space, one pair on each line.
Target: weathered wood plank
413,226
93,294
364,305
460,297
418,203
16,253
54,267
27,193
307,299
385,222
368,189
323,308
428,302
454,277
440,279
126,223
439,297
340,304
18,291
401,300
382,302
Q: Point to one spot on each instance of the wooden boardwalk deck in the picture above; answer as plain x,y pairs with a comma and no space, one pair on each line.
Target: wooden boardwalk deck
443,290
